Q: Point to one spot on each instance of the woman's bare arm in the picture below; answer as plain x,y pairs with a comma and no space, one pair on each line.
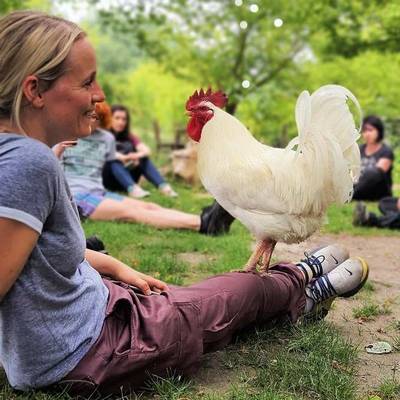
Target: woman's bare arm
143,150
384,164
16,245
110,266
122,157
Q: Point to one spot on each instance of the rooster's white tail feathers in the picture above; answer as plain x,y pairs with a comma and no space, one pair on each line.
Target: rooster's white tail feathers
327,159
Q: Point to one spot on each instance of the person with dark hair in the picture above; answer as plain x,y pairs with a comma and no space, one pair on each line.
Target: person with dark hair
376,162
135,155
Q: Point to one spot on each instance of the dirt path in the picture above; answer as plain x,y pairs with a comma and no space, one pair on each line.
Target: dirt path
383,256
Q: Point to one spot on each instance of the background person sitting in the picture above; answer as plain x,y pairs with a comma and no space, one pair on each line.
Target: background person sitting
376,162
135,155
390,218
83,164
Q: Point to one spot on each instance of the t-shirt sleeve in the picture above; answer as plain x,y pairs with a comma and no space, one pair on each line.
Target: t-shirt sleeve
387,152
134,139
29,182
111,148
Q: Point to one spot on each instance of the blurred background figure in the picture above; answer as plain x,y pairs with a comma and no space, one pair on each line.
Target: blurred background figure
135,156
390,218
83,164
376,162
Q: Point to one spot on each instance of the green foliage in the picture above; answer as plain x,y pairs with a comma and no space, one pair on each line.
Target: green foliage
10,5
152,94
193,41
153,55
354,26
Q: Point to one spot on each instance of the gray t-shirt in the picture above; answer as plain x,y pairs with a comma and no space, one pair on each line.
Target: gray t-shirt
55,310
83,164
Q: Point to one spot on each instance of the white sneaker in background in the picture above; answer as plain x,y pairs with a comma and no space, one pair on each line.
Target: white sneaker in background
167,190
138,193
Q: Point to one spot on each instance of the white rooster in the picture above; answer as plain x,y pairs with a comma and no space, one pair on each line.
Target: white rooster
278,194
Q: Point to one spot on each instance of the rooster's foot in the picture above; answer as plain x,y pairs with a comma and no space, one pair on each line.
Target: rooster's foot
263,251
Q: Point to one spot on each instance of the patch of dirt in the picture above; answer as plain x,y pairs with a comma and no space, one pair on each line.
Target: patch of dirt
382,254
194,260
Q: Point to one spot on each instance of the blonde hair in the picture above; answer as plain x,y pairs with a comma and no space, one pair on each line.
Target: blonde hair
31,43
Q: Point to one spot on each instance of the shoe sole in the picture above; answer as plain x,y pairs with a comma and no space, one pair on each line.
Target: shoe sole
364,279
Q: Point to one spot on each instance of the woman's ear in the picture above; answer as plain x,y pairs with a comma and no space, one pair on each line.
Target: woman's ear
32,92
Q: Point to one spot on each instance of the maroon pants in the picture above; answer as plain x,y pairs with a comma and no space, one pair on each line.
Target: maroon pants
155,334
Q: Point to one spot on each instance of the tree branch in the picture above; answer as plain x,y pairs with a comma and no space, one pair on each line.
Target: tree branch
240,55
278,68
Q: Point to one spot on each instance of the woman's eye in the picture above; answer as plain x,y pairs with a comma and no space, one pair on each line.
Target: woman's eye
88,84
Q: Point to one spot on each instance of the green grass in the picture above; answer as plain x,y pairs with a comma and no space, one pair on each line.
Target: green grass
340,217
299,362
389,389
303,363
369,310
396,343
368,287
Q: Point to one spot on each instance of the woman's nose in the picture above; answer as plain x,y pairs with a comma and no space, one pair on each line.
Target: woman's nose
98,95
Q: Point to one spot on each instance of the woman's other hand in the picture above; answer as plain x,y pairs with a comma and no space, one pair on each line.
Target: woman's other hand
134,157
145,283
110,266
59,148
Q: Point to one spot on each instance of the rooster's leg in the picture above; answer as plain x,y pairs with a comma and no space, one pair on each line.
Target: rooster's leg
252,262
268,247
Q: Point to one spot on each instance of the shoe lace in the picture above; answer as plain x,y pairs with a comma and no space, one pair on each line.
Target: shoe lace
321,289
315,263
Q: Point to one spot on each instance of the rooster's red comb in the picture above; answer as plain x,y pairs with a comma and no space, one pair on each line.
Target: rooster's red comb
218,98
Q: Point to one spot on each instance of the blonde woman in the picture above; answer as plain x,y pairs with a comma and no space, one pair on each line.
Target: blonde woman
59,320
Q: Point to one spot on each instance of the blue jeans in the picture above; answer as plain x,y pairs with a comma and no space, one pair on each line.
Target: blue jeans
117,177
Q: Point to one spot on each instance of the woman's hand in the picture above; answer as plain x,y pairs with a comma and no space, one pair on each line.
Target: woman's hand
134,156
110,266
59,148
144,282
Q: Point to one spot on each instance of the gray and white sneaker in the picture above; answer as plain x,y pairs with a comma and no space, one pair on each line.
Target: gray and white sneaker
321,261
344,281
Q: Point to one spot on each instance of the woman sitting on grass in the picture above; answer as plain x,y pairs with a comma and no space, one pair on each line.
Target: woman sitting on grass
376,162
135,155
60,322
83,164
